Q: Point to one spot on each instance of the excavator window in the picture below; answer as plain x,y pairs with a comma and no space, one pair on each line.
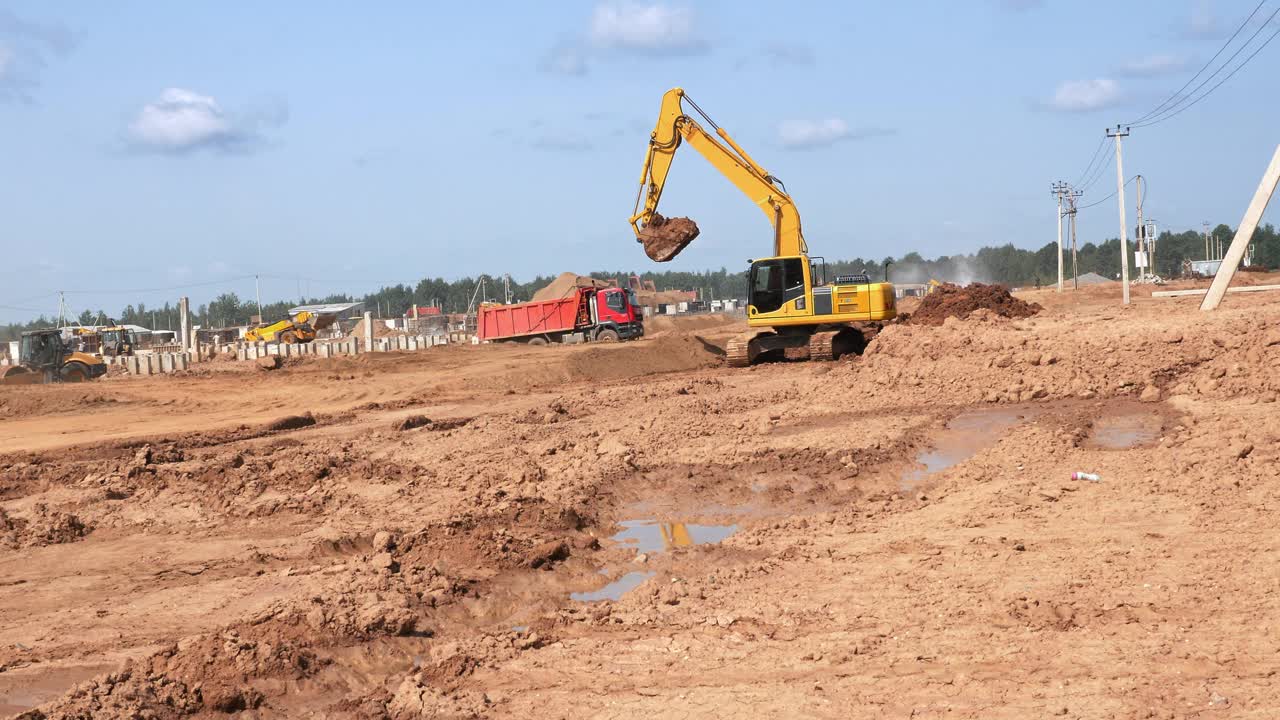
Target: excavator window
776,282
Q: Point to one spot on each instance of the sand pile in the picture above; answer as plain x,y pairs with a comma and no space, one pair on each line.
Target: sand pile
380,329
565,284
663,238
954,301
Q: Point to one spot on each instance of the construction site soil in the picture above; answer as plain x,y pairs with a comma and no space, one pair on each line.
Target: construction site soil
950,300
636,530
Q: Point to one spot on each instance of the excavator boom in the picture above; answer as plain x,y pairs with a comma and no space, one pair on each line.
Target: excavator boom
662,242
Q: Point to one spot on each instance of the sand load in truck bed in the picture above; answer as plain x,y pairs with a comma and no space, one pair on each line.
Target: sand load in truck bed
663,238
566,284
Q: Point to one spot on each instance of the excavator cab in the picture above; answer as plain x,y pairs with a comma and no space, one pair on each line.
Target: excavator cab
775,282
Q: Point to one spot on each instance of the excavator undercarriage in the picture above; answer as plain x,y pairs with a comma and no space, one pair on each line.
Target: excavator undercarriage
826,343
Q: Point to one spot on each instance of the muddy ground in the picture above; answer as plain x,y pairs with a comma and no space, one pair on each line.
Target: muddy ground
634,530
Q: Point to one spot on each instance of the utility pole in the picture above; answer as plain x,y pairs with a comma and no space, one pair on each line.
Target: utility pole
1141,239
1206,239
1152,235
257,294
1124,228
1072,196
1059,188
62,304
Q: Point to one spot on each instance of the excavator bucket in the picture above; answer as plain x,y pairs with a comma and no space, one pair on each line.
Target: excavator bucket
18,375
663,238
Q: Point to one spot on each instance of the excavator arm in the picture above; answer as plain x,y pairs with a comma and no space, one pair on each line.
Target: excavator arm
766,191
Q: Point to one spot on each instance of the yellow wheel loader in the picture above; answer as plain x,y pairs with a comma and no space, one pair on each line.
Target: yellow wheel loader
790,303
301,328
44,358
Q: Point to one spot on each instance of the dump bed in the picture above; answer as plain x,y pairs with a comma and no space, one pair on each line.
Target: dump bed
548,317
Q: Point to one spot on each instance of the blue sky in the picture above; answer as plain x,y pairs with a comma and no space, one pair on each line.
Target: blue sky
156,145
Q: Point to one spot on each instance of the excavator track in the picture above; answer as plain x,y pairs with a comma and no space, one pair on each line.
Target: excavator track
738,351
822,345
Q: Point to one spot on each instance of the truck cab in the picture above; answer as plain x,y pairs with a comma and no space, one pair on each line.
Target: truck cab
616,315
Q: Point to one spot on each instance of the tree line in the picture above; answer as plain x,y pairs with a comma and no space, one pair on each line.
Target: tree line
1005,264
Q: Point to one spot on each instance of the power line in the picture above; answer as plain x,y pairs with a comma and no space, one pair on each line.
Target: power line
1220,82
1113,194
1097,174
1225,45
1092,160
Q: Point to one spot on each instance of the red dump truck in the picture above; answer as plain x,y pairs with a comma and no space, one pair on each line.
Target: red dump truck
586,314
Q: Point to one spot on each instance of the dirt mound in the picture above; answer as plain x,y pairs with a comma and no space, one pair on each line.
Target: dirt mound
565,284
45,527
685,323
954,301
291,422
663,238
380,329
670,353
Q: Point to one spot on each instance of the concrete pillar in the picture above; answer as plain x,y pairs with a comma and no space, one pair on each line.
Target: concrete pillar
368,332
131,364
326,350
183,361
166,362
184,323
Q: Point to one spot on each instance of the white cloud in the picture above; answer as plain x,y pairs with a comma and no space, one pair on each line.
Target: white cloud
1157,64
26,50
783,54
1085,95
182,120
564,59
804,134
644,28
810,134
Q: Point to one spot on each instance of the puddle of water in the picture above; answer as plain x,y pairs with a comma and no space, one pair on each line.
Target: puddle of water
615,589
647,536
1125,431
960,440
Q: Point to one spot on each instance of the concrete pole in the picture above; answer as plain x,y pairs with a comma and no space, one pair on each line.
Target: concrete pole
368,331
1124,224
1075,258
184,322
1142,231
1059,241
1244,233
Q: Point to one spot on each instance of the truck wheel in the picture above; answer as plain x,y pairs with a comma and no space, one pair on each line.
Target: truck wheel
537,341
607,336
289,337
75,372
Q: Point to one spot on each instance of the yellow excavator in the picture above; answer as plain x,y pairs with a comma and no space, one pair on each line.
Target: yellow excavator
301,328
790,304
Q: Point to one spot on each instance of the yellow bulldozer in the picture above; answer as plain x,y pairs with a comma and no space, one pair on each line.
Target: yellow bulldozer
44,358
301,328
